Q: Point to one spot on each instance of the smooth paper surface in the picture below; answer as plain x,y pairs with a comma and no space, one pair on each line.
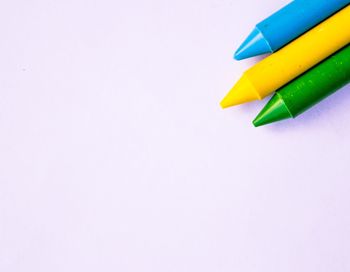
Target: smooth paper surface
116,156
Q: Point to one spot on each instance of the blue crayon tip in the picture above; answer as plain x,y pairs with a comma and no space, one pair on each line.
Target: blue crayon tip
254,45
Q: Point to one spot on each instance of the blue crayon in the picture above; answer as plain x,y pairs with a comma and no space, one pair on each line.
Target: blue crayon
286,25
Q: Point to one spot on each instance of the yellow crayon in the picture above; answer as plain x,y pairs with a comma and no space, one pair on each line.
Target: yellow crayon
291,61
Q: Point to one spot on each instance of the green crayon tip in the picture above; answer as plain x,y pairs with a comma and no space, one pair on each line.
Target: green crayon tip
308,89
274,111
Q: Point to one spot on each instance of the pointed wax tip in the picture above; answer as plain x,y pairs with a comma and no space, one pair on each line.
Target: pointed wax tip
275,110
254,45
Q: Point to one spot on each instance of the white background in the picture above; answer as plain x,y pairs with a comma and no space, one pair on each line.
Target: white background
115,154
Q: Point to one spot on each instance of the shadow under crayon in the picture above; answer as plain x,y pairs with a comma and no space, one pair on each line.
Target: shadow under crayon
338,102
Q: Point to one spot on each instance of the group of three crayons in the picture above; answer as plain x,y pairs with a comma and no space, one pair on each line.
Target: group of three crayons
310,39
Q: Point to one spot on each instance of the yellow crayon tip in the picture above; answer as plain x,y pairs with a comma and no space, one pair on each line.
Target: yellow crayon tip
242,92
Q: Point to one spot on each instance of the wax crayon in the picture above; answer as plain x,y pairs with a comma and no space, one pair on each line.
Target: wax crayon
286,25
278,69
307,90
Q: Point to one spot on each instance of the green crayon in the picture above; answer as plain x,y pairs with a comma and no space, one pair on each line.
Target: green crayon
307,90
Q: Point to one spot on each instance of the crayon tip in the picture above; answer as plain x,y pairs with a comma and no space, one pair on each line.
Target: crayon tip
275,110
241,93
254,45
